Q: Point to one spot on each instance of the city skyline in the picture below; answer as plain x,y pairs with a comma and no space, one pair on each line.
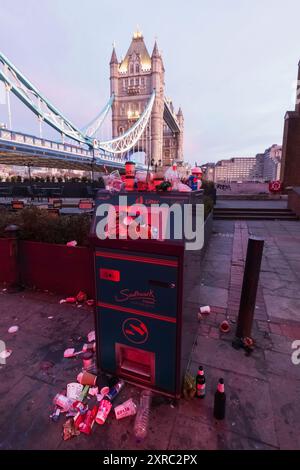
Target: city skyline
234,98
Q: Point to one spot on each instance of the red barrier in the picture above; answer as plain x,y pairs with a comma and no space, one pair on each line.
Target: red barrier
7,261
57,268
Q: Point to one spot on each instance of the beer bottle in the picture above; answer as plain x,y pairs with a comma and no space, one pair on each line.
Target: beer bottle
200,383
220,401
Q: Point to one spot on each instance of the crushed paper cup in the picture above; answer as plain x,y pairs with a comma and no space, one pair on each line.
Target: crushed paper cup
205,309
224,327
91,336
72,243
5,354
104,390
81,296
62,301
93,391
70,352
13,329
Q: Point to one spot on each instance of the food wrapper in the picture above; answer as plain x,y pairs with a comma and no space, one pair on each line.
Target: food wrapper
70,430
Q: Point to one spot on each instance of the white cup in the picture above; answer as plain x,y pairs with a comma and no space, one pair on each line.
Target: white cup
205,309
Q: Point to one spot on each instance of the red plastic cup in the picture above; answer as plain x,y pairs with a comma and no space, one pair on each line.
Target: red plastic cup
130,168
129,183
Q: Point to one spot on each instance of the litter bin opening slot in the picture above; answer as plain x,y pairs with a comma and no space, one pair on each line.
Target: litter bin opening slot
135,363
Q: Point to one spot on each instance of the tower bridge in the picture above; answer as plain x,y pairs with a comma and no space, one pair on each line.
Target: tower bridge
143,120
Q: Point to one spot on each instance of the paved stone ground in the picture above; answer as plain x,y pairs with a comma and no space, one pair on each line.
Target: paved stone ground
262,389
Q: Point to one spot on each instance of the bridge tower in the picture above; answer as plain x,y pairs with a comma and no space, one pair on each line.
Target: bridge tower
132,80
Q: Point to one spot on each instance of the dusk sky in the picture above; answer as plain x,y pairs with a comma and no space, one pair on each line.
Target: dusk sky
231,65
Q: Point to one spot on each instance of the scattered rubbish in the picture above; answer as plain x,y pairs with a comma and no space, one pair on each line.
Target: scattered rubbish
220,401
86,378
93,391
205,309
103,411
189,386
4,290
5,353
88,423
92,368
248,341
87,359
72,243
224,327
84,393
79,407
115,390
248,344
50,318
68,300
70,430
63,402
128,408
90,302
79,306
200,383
74,390
91,336
81,296
104,390
89,347
142,417
70,352
56,414
13,329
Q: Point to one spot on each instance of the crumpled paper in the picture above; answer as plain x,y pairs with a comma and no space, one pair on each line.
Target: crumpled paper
70,430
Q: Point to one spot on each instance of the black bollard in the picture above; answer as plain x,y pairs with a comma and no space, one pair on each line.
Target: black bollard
249,290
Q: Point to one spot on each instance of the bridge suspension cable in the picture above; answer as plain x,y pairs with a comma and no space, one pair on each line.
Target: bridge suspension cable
36,102
92,128
126,141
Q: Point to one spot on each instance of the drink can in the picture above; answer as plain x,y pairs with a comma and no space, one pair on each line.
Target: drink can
103,411
128,408
115,390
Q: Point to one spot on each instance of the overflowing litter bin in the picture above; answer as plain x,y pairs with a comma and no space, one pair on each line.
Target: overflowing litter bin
146,295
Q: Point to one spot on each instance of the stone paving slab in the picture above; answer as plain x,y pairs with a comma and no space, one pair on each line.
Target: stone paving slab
285,401
202,436
285,308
